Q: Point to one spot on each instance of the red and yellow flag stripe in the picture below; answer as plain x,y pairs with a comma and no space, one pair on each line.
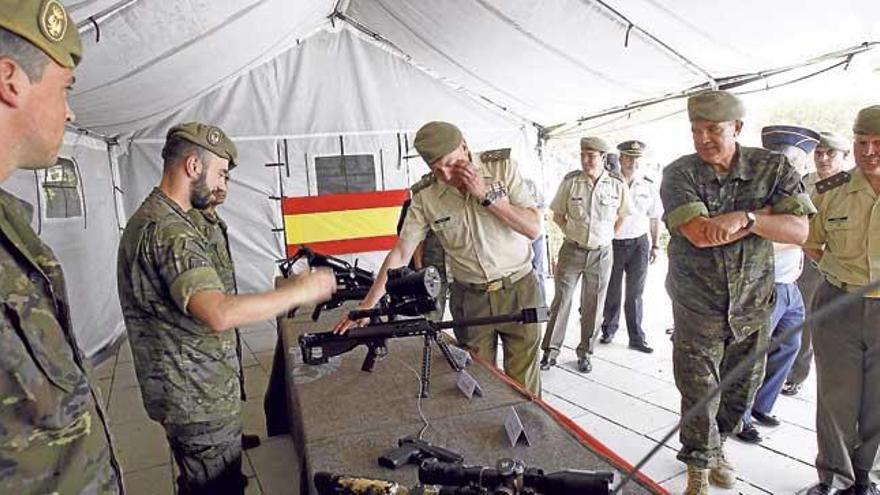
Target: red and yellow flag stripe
343,223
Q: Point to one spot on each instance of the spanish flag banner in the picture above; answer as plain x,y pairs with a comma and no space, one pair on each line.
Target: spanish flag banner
343,223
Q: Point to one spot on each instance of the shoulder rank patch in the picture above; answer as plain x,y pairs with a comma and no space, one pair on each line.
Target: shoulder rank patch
648,180
832,182
423,183
495,155
615,175
571,175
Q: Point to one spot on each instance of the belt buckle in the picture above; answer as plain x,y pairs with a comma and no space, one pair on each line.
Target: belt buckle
495,285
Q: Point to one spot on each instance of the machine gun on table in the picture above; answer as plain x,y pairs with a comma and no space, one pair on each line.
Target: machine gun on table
408,293
352,283
509,477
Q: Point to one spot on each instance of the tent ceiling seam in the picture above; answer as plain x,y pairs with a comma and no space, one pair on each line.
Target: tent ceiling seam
730,82
95,19
690,64
177,49
552,49
221,82
410,60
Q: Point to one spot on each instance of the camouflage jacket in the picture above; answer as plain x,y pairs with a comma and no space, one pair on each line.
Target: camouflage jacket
187,373
53,430
734,282
214,229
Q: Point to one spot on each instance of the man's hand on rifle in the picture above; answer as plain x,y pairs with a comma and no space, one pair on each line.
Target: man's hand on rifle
345,323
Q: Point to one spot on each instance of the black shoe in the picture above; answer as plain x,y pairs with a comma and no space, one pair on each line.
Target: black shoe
790,388
749,434
547,362
606,339
819,489
869,489
642,347
584,365
249,441
765,419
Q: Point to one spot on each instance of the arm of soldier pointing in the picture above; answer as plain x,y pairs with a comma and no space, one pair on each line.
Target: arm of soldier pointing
221,311
399,256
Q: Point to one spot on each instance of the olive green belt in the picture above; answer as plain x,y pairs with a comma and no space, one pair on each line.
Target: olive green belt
499,283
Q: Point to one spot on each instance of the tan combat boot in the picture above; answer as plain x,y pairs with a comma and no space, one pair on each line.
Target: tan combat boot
722,472
698,481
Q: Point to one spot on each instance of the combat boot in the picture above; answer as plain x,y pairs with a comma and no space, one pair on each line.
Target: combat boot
697,481
722,473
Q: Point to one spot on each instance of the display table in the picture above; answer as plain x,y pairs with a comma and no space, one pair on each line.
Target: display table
342,419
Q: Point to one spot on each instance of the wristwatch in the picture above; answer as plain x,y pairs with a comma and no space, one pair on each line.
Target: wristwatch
750,220
490,198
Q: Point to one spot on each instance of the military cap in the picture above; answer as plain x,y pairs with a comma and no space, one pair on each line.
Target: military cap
594,143
435,140
833,141
46,25
774,136
631,148
715,106
868,120
207,136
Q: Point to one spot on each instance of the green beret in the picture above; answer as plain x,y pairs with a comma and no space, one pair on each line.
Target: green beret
46,25
868,120
632,148
436,140
207,136
833,141
715,106
594,143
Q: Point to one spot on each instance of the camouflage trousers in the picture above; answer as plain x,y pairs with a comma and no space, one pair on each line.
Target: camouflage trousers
703,353
208,455
521,342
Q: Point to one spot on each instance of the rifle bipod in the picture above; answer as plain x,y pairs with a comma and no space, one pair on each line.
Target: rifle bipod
425,376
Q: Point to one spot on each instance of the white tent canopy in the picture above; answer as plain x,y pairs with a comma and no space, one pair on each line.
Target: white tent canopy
294,80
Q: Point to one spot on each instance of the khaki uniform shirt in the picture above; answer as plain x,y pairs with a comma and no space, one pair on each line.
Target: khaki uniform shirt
480,248
590,210
53,432
810,183
187,373
645,206
847,228
732,283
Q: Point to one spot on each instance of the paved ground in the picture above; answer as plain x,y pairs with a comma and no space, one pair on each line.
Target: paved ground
628,402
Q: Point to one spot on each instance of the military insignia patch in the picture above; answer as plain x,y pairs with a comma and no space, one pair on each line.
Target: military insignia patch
53,21
214,136
832,182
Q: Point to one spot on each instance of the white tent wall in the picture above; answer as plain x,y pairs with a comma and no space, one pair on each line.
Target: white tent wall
86,245
336,88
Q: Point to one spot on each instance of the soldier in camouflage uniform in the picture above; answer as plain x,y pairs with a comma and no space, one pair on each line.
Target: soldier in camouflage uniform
478,207
214,229
724,205
178,312
54,436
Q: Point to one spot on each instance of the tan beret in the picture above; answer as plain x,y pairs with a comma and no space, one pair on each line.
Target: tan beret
210,137
437,139
868,120
715,106
46,25
833,141
594,143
